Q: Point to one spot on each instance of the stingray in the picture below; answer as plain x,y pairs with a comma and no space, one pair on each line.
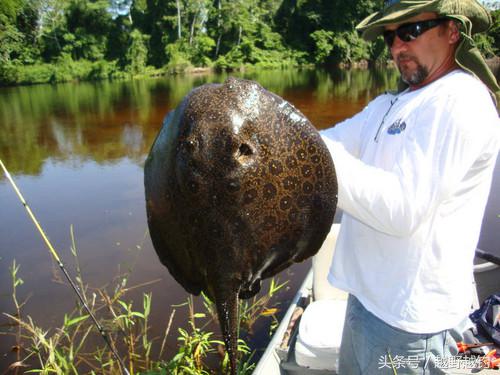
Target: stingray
239,185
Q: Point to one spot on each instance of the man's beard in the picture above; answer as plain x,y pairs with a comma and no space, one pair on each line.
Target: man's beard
413,77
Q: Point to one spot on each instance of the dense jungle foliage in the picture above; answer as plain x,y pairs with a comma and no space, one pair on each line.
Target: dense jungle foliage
64,40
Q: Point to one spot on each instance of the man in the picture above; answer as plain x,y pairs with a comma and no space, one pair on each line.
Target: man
414,170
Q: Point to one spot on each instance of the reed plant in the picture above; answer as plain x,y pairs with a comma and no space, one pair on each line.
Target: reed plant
74,347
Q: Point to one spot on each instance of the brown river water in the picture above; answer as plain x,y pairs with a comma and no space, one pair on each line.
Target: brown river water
77,153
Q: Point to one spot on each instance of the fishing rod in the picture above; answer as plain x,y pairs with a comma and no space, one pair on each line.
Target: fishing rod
56,257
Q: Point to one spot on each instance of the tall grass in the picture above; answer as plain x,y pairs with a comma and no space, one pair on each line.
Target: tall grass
74,347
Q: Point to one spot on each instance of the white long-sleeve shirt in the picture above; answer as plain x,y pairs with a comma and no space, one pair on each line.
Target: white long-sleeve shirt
414,172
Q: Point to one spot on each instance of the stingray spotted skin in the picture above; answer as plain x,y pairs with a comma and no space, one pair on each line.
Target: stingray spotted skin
239,185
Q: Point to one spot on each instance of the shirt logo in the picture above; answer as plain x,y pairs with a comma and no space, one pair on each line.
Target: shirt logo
397,127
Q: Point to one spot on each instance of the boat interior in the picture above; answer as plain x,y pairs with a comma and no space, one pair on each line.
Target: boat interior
299,346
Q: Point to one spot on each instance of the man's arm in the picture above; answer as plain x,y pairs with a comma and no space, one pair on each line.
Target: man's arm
437,153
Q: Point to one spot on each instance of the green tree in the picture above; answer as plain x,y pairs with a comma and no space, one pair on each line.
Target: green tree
59,40
158,19
52,21
494,32
119,39
246,34
200,44
137,53
88,26
18,31
323,45
298,20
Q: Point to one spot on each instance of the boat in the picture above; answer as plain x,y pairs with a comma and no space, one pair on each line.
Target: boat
288,352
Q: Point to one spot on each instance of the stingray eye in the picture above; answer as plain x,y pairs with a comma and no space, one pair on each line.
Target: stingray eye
188,145
245,150
244,153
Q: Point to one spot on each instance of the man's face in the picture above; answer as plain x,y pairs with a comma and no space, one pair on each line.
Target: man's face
424,59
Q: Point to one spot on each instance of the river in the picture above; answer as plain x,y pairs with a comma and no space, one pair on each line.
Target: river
77,152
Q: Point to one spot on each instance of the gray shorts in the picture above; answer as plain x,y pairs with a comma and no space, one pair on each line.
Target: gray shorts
370,346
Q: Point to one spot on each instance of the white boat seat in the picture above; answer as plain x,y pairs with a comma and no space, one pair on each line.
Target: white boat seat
320,333
318,341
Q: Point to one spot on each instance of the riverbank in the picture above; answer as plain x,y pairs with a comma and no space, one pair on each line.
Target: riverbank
82,70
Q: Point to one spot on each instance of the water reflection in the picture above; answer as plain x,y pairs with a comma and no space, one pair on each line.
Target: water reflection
108,121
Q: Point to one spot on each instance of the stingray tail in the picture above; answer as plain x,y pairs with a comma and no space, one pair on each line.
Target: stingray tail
227,310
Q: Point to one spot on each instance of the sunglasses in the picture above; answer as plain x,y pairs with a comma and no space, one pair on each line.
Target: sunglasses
411,31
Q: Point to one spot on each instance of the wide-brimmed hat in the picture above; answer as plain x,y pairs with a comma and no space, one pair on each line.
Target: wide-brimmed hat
397,11
473,17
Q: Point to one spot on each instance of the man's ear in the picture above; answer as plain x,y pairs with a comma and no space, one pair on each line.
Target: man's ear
453,32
